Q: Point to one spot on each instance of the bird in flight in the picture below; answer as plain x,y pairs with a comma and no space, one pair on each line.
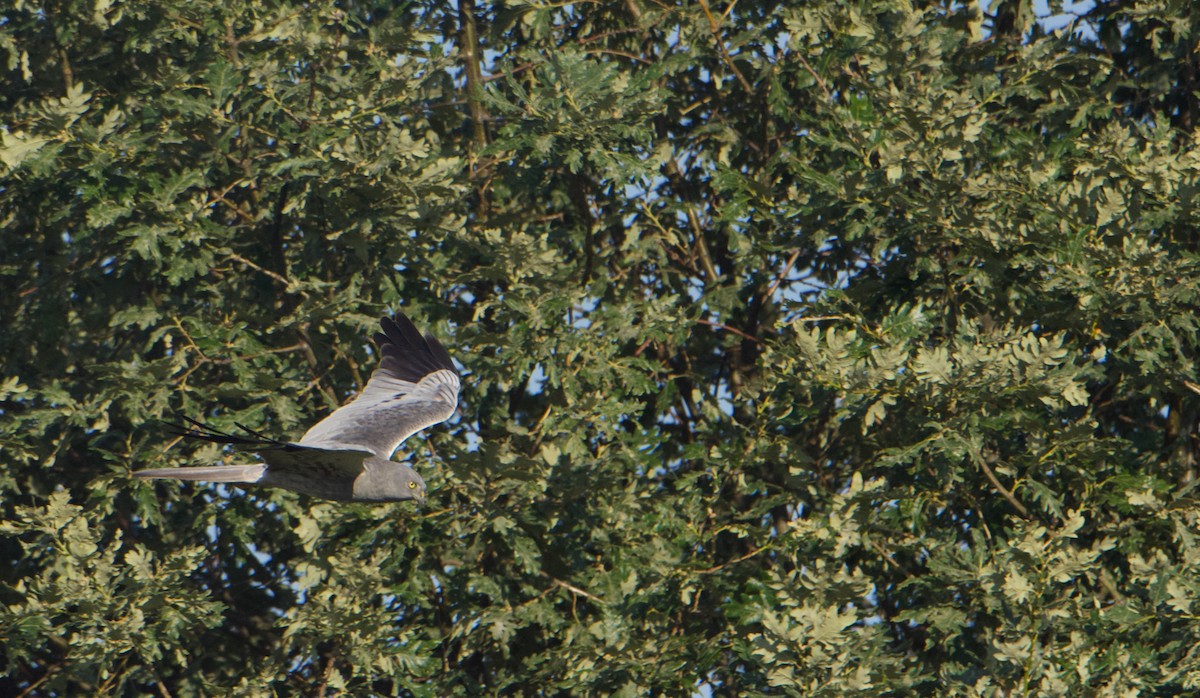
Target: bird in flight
347,456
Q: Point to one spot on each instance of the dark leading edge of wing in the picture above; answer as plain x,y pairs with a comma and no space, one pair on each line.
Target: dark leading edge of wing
406,354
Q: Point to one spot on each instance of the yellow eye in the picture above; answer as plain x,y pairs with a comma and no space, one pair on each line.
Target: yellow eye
412,485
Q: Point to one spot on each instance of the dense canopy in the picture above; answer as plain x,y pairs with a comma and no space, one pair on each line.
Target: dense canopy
827,348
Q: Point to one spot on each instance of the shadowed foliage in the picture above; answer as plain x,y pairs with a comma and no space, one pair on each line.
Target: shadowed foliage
829,348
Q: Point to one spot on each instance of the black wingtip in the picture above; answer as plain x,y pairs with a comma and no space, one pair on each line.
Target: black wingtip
259,435
194,429
408,354
399,326
439,352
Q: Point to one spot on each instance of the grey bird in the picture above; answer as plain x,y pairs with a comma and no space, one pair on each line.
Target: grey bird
347,456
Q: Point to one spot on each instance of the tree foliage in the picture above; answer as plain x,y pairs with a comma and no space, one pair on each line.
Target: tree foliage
831,348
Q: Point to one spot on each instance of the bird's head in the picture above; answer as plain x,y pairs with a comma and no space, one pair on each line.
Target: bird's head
414,486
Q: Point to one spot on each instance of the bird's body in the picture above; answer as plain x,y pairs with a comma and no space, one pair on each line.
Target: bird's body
347,456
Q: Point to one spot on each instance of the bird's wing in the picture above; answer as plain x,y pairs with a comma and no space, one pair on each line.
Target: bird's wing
281,456
415,386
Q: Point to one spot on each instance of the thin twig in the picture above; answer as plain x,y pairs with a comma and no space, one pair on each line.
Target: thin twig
315,365
162,687
191,342
786,268
821,318
622,54
991,476
251,357
238,258
34,685
715,26
710,270
604,35
65,63
325,675
242,213
469,46
887,556
1110,586
807,66
571,588
727,328
675,176
734,561
540,422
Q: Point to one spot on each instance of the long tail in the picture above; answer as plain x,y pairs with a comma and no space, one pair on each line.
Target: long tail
209,473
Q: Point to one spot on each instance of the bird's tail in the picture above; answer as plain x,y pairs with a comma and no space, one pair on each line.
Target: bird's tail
208,473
